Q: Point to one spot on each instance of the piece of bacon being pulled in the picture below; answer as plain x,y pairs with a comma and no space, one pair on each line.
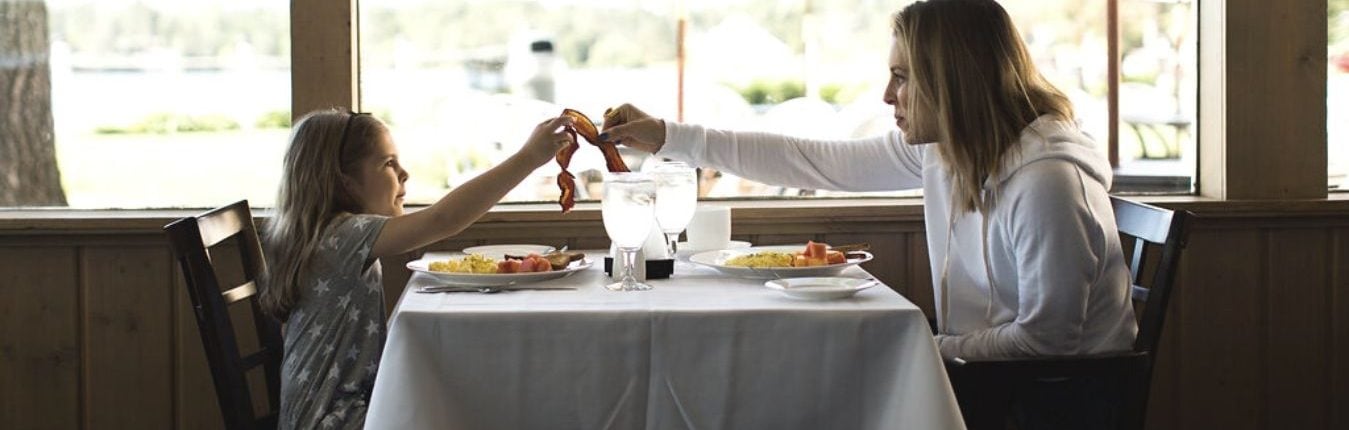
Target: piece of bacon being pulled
583,126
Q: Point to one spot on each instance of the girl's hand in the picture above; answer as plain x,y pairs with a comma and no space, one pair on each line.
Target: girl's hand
548,138
630,126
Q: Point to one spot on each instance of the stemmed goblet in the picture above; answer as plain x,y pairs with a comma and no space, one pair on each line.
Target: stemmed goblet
628,209
676,199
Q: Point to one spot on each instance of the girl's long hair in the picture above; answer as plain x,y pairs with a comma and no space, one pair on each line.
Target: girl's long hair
313,192
970,71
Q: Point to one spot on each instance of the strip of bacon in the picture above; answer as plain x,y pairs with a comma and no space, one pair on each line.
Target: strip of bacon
584,127
565,181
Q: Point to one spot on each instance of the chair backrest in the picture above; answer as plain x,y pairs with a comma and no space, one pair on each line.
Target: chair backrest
1151,227
192,239
1159,233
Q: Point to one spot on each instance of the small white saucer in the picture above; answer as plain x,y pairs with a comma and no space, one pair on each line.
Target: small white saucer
824,288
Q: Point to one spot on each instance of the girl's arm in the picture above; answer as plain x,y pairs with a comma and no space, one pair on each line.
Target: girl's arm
466,203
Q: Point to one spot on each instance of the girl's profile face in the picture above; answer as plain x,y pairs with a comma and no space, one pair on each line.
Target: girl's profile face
379,180
897,92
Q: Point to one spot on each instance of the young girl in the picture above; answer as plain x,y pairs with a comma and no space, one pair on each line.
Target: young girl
339,209
1025,256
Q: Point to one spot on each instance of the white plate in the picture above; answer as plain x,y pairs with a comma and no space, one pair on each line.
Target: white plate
497,251
684,251
494,279
827,288
717,260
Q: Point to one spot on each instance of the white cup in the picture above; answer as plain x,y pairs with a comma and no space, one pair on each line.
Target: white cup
710,228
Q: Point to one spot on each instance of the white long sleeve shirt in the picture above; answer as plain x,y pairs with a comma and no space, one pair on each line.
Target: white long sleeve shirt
1042,273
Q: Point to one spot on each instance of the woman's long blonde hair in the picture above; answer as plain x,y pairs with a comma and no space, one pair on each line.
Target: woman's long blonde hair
314,191
970,71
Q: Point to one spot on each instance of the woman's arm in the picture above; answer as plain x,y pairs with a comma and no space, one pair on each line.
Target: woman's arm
880,163
465,204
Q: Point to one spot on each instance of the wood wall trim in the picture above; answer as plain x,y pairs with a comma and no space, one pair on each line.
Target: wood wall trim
22,222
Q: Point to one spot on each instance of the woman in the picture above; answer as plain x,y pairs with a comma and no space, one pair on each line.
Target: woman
1025,256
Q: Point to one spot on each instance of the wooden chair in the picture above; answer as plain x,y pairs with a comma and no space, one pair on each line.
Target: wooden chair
1151,228
192,238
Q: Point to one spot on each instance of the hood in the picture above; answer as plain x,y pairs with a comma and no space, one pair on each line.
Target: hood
1050,138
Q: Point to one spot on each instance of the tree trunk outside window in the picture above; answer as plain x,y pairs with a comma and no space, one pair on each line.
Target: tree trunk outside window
28,172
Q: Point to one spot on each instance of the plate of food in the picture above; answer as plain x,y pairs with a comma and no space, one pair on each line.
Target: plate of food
788,261
485,270
820,288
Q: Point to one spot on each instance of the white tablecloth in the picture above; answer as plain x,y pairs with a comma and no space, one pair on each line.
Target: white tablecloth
700,351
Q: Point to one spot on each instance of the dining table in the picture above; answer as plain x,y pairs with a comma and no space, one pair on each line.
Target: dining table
700,350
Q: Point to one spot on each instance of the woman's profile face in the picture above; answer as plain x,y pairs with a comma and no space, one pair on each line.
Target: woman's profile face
897,92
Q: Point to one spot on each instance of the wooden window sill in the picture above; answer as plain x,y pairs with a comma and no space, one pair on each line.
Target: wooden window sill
57,220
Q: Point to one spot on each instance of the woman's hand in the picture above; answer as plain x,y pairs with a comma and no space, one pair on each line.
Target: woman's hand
548,138
629,126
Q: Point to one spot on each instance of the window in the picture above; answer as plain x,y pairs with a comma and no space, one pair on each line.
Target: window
1337,96
154,102
463,82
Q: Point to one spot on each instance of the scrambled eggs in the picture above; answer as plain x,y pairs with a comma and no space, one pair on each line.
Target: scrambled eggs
762,259
473,263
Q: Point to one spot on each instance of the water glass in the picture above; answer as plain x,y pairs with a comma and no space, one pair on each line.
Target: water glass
676,199
628,209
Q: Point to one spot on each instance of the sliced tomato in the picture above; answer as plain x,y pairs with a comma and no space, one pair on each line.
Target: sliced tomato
540,264
816,249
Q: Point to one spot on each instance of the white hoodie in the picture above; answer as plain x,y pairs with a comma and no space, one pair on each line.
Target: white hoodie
1048,244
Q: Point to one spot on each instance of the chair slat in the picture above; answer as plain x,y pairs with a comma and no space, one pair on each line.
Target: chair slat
1146,222
256,359
1140,294
1136,260
248,289
221,224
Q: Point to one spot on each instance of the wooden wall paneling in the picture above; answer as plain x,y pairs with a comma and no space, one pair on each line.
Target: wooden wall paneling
396,275
1164,402
39,339
600,242
531,232
920,275
452,245
1221,369
1339,332
127,337
195,401
1297,330
785,239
